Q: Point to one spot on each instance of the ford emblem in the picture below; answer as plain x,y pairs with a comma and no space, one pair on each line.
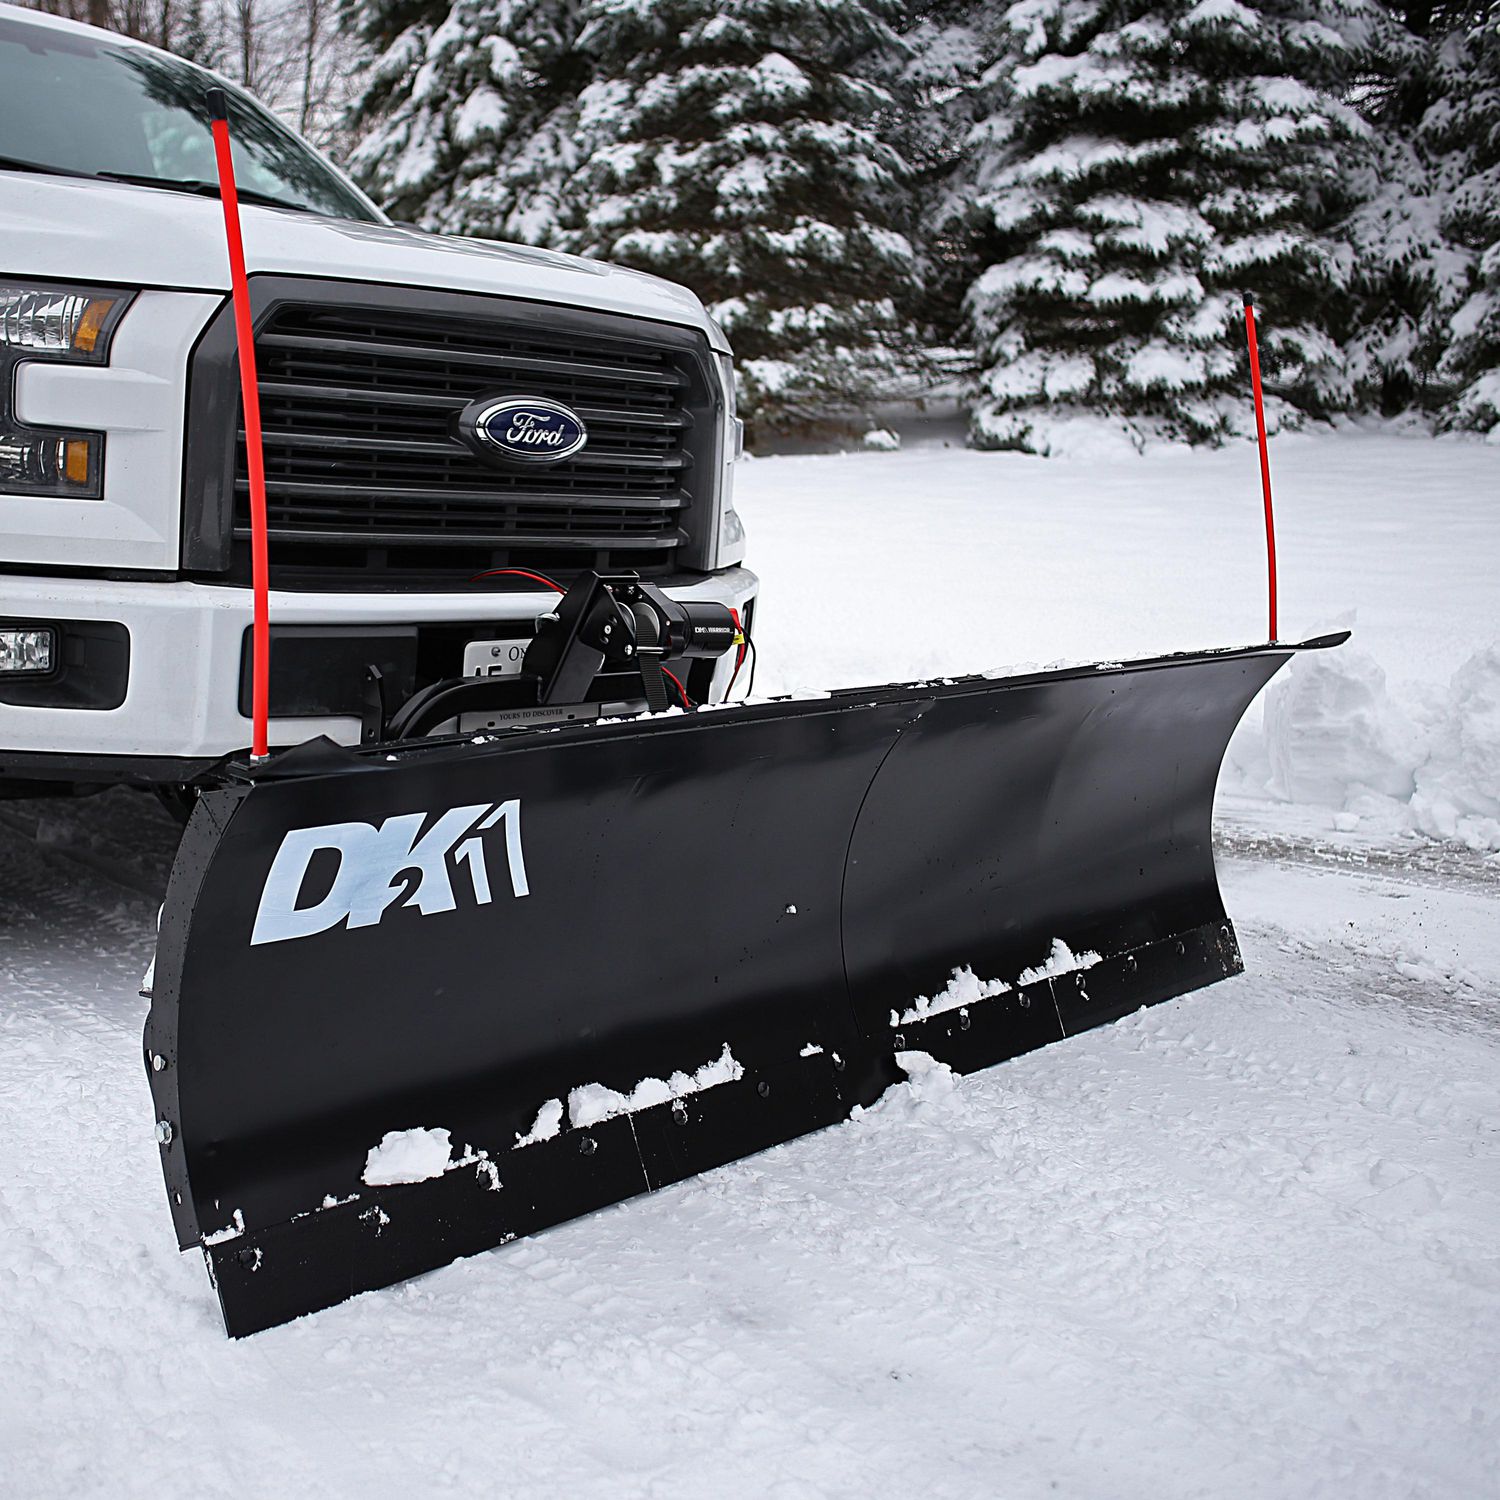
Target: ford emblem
522,429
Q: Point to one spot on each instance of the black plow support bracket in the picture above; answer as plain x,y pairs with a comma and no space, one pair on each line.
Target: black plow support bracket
578,964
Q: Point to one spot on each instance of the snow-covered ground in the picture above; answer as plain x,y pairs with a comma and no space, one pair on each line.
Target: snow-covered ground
952,561
1244,1244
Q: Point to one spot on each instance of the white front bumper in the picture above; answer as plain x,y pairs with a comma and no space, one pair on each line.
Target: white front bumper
186,640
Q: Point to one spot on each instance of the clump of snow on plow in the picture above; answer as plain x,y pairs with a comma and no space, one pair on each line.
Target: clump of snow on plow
231,1231
593,1102
548,1123
1061,960
965,988
408,1156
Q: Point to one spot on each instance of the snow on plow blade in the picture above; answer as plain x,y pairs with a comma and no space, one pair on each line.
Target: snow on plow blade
412,1002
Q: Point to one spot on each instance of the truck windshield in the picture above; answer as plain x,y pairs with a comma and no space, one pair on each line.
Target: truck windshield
78,104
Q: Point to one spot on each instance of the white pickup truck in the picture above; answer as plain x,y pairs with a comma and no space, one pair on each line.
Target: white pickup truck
387,357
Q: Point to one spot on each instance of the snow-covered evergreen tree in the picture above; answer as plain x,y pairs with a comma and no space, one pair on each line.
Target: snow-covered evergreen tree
1408,275
1465,120
1133,169
943,73
741,147
469,122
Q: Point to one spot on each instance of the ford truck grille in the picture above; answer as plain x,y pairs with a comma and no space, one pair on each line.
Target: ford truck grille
368,485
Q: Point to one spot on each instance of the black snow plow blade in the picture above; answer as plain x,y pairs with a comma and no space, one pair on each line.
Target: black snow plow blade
413,1002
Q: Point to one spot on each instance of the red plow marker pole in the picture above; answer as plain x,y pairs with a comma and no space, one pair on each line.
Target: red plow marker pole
1265,462
244,335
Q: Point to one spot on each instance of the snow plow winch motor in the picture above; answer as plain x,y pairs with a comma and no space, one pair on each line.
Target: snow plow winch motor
415,998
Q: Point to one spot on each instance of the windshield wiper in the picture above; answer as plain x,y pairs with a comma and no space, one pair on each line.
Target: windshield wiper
202,188
176,184
20,164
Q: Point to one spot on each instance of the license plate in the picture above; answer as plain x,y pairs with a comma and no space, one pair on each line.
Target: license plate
495,658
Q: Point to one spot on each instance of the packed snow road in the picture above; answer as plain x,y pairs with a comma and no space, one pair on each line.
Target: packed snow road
1244,1243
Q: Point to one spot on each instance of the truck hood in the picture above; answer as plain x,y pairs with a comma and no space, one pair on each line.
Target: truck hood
63,229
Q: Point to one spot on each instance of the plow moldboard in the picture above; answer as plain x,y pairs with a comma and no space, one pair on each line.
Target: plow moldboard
782,880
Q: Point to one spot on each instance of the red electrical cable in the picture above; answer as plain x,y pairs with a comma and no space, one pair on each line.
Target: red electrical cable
244,334
520,573
739,660
672,678
1265,461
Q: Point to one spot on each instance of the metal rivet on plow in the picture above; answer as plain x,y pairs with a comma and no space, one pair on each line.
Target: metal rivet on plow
1078,980
158,1062
763,1089
1182,947
588,1145
679,1112
248,1257
963,1020
1130,963
838,1064
1025,1002
898,1042
163,1132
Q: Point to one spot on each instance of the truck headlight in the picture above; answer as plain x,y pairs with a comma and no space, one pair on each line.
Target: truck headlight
736,428
730,545
68,323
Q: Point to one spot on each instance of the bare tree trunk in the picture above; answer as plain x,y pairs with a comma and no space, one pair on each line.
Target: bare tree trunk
99,13
309,56
245,20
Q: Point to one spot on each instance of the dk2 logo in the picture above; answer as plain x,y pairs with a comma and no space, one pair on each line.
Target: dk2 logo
371,862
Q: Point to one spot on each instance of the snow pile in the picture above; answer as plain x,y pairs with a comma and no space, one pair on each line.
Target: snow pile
408,1156
1331,727
1458,786
1336,736
593,1102
928,1081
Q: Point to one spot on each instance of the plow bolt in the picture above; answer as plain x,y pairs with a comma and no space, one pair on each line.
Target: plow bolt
763,1089
679,1113
899,1042
1025,1002
163,1132
158,1062
588,1145
963,1020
